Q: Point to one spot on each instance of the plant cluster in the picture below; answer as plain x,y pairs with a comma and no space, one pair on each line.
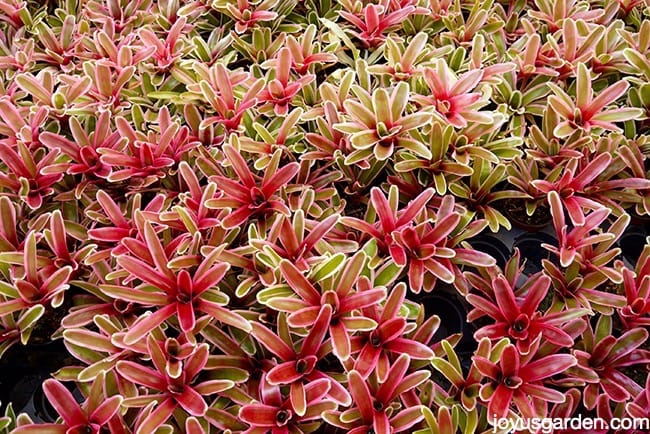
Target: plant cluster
229,211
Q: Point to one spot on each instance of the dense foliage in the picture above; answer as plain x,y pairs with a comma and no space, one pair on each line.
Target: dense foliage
232,212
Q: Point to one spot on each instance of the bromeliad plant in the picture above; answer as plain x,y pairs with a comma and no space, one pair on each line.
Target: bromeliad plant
97,411
342,290
175,293
636,284
515,378
520,322
233,215
587,111
602,357
375,407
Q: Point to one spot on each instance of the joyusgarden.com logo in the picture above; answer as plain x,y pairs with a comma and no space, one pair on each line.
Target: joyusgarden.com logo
551,425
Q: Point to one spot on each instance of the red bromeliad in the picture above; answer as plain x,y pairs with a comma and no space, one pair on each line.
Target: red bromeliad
374,20
431,252
35,285
83,152
451,97
174,292
249,197
95,414
28,177
637,292
178,391
167,51
297,368
601,358
248,15
572,239
520,320
587,112
281,90
573,189
375,404
219,91
517,378
344,301
389,219
277,416
374,347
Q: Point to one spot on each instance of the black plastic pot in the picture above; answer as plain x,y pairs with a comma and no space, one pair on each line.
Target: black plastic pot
493,246
639,220
632,242
22,372
28,391
452,312
531,250
515,210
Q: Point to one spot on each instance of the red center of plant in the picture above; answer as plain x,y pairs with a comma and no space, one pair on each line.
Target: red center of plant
183,297
331,298
302,366
173,347
276,89
512,382
176,389
520,326
30,293
638,306
89,156
566,193
33,185
257,197
84,429
282,417
121,306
